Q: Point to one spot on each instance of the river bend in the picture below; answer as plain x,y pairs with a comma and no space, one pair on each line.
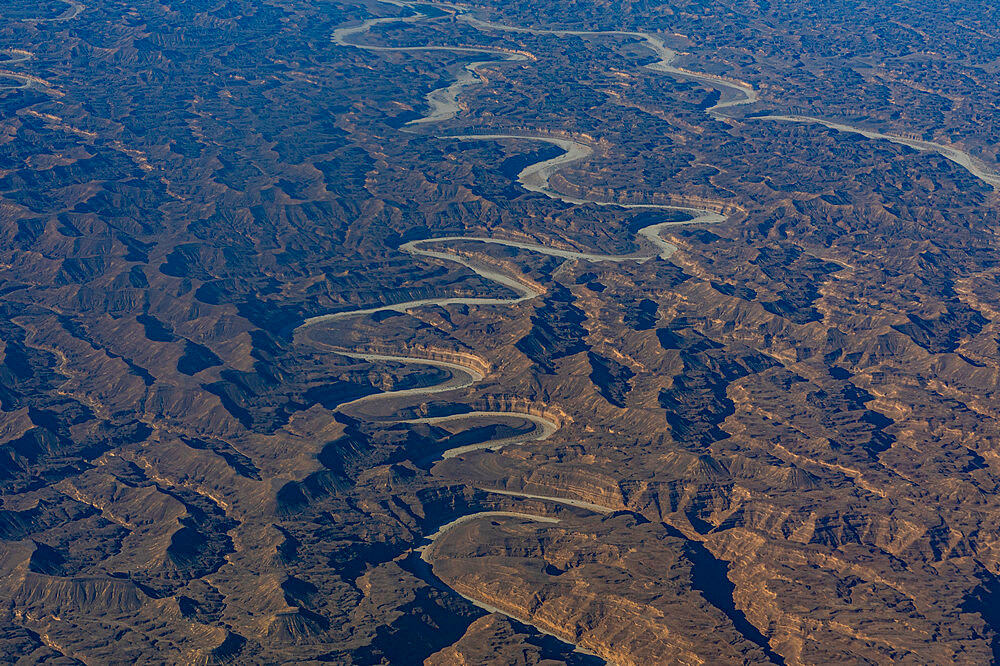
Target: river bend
443,105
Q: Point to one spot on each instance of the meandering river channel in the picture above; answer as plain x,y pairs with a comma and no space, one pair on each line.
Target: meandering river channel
443,104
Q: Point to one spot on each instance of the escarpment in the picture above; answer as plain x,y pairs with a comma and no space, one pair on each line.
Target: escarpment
547,332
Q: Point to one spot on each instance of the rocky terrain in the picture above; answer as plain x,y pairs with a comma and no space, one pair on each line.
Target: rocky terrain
550,333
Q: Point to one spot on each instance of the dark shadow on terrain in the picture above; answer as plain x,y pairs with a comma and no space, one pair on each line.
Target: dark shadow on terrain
985,601
708,576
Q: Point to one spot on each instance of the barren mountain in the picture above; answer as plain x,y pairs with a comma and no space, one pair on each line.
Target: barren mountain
554,332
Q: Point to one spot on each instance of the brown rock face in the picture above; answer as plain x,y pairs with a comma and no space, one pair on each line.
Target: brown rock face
497,639
765,433
627,599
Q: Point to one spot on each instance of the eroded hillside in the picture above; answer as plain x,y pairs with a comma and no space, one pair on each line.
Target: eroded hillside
557,333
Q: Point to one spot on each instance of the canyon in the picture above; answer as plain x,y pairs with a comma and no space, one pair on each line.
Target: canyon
418,332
